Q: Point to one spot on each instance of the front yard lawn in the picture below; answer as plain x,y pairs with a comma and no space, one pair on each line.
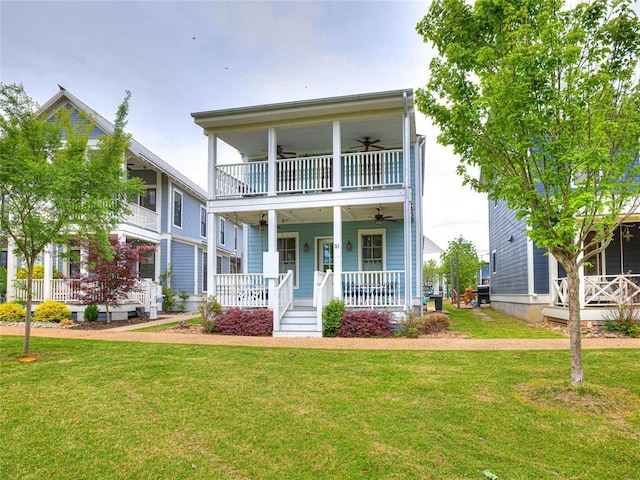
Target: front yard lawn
112,410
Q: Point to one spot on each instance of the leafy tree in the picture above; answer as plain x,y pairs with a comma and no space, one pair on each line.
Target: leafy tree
112,276
431,272
461,258
53,186
544,101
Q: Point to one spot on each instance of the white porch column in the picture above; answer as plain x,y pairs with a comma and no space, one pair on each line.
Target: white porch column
337,252
212,161
406,155
272,155
337,150
12,268
47,262
271,260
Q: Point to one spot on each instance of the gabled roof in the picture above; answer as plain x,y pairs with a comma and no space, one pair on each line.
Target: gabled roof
135,148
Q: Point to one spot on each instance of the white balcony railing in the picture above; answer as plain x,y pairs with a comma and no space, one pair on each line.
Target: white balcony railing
600,291
311,174
242,290
373,289
143,217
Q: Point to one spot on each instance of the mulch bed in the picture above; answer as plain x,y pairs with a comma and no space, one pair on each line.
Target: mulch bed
103,325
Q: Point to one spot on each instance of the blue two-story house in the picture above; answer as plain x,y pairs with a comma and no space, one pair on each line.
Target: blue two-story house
330,194
170,215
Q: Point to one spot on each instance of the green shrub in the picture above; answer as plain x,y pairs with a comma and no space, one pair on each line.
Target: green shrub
332,317
91,313
3,281
209,310
11,312
51,311
625,318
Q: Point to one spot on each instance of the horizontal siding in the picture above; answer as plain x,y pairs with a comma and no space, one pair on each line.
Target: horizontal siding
507,237
540,270
182,259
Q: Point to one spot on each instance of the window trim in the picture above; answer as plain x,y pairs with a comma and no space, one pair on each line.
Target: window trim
296,236
173,207
373,231
494,261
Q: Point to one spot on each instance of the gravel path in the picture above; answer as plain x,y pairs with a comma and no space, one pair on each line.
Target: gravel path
328,343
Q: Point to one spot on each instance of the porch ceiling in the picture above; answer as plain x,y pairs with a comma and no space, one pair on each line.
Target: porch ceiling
354,213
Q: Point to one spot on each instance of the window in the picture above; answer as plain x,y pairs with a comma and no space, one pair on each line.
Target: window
288,248
148,200
218,264
147,266
204,271
177,208
203,222
372,251
494,266
222,226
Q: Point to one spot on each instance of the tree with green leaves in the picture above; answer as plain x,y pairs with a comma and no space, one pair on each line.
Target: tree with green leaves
431,272
461,260
53,185
543,101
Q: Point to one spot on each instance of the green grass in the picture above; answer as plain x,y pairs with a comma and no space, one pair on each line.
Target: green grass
164,326
495,325
112,410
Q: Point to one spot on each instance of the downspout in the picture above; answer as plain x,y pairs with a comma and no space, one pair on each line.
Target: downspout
420,149
408,275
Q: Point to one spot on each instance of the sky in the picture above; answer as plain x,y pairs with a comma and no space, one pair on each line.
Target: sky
178,57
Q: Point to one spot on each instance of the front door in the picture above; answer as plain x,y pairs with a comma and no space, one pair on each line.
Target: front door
325,254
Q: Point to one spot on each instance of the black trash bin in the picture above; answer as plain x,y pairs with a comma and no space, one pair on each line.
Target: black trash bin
437,299
483,295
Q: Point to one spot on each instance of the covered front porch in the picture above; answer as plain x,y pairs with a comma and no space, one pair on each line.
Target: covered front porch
607,282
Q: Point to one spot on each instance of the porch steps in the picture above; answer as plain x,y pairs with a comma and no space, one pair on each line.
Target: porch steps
298,322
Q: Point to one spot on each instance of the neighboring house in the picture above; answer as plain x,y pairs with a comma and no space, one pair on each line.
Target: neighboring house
529,284
170,214
330,193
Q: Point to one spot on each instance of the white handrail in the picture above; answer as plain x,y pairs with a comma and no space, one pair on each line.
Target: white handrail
284,297
323,288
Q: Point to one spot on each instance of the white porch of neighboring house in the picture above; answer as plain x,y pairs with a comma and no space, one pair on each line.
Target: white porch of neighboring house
606,283
328,202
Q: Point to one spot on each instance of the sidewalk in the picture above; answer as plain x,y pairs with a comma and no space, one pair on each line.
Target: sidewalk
125,334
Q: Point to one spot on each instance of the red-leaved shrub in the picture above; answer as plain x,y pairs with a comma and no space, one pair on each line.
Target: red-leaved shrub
254,323
365,323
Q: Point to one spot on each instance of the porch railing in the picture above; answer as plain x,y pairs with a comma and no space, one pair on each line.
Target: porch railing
242,290
372,169
322,293
143,217
600,291
373,289
70,291
311,174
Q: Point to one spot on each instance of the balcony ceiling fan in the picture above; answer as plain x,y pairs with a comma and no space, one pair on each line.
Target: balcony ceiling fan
282,154
380,217
367,143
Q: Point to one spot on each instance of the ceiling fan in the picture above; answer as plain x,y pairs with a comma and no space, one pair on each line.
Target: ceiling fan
282,154
367,143
379,217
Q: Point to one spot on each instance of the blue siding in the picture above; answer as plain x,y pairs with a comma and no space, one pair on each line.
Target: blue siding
540,270
182,259
507,237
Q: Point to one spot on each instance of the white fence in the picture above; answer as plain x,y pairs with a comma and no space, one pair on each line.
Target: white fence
242,290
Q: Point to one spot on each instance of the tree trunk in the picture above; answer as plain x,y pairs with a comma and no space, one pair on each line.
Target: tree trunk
27,320
573,297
